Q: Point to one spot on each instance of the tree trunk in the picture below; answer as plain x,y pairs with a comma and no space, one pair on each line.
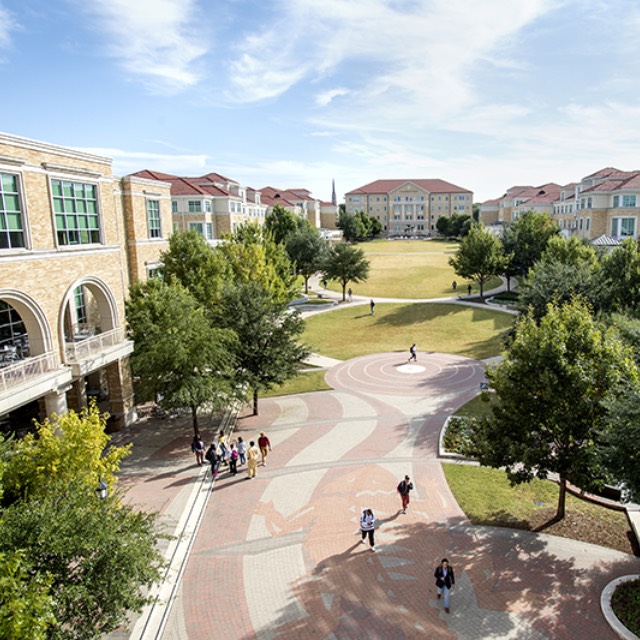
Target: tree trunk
194,419
255,402
344,288
508,284
481,289
306,285
562,498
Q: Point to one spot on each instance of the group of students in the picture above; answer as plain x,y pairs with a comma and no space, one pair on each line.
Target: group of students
445,578
221,452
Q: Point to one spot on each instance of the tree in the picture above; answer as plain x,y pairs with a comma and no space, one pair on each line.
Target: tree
71,565
353,226
267,351
346,263
567,269
253,256
306,249
479,256
180,358
454,226
525,240
281,223
195,265
549,398
621,277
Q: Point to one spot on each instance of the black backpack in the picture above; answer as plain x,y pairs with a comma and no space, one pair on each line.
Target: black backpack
210,456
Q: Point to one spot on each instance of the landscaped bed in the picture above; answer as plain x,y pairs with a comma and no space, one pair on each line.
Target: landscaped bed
487,498
626,605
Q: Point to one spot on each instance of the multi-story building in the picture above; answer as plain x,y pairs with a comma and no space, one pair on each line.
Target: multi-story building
72,239
212,205
604,203
410,207
320,215
518,199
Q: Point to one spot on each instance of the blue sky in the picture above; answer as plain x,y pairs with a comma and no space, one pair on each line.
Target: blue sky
293,93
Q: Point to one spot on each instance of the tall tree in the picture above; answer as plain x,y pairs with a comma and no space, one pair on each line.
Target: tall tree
267,352
621,277
346,263
566,270
253,256
479,256
181,359
525,240
352,225
281,223
549,394
306,249
193,263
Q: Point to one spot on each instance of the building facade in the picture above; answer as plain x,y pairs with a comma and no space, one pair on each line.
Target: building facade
72,239
605,203
410,207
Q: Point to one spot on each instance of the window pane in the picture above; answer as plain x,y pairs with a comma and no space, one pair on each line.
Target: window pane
75,198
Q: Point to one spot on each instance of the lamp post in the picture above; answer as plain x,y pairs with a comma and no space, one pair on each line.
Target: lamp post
102,490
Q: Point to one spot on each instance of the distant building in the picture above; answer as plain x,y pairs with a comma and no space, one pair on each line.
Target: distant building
320,215
603,204
73,237
410,207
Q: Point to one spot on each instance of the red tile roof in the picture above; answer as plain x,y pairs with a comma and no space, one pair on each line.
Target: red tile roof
387,186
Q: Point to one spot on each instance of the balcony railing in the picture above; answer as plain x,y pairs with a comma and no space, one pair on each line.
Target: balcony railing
25,370
84,347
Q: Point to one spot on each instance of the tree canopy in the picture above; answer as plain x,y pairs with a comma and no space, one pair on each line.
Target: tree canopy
479,256
72,565
281,223
550,393
345,263
267,350
181,359
306,249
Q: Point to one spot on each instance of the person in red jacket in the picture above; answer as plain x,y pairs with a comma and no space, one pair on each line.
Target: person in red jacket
265,447
403,489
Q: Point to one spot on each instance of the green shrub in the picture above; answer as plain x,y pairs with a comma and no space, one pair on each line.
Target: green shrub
626,605
458,437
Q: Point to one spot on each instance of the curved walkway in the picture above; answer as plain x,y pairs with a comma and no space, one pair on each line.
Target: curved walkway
279,556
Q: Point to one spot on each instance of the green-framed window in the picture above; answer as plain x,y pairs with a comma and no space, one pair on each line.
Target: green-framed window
75,206
12,234
153,218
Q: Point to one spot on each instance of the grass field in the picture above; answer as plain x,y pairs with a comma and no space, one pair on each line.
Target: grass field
351,331
304,382
411,269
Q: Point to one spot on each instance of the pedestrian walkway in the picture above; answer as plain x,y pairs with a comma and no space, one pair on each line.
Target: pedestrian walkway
279,556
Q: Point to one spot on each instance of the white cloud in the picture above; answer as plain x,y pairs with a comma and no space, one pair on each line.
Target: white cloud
125,162
7,26
324,98
156,40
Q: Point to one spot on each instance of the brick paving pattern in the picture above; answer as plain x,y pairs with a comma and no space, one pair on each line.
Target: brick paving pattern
279,556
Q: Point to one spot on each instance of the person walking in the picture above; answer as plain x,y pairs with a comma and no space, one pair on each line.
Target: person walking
222,448
469,289
454,285
265,447
413,354
372,306
242,450
350,292
403,488
233,459
197,446
252,460
367,526
214,459
445,579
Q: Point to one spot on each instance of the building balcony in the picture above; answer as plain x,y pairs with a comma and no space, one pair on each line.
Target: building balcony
86,353
26,380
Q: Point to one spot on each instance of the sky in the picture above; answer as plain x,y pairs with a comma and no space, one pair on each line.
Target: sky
485,94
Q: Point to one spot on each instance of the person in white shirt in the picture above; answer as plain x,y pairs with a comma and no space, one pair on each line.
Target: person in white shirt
367,526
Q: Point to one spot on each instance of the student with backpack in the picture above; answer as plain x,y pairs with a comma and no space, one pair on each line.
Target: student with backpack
233,459
367,526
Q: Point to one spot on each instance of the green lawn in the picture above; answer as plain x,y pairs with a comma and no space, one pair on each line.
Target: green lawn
476,408
351,331
411,269
487,498
304,382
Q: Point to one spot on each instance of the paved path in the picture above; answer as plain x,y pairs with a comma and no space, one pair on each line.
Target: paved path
279,556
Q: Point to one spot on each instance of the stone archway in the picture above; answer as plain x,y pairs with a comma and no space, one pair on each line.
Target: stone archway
34,319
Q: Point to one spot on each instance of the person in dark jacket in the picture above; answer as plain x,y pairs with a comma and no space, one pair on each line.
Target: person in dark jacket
445,579
403,489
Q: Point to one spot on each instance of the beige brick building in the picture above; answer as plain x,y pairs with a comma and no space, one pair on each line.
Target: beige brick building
410,207
604,203
72,239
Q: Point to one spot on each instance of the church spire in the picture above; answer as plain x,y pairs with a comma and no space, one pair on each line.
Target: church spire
333,193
